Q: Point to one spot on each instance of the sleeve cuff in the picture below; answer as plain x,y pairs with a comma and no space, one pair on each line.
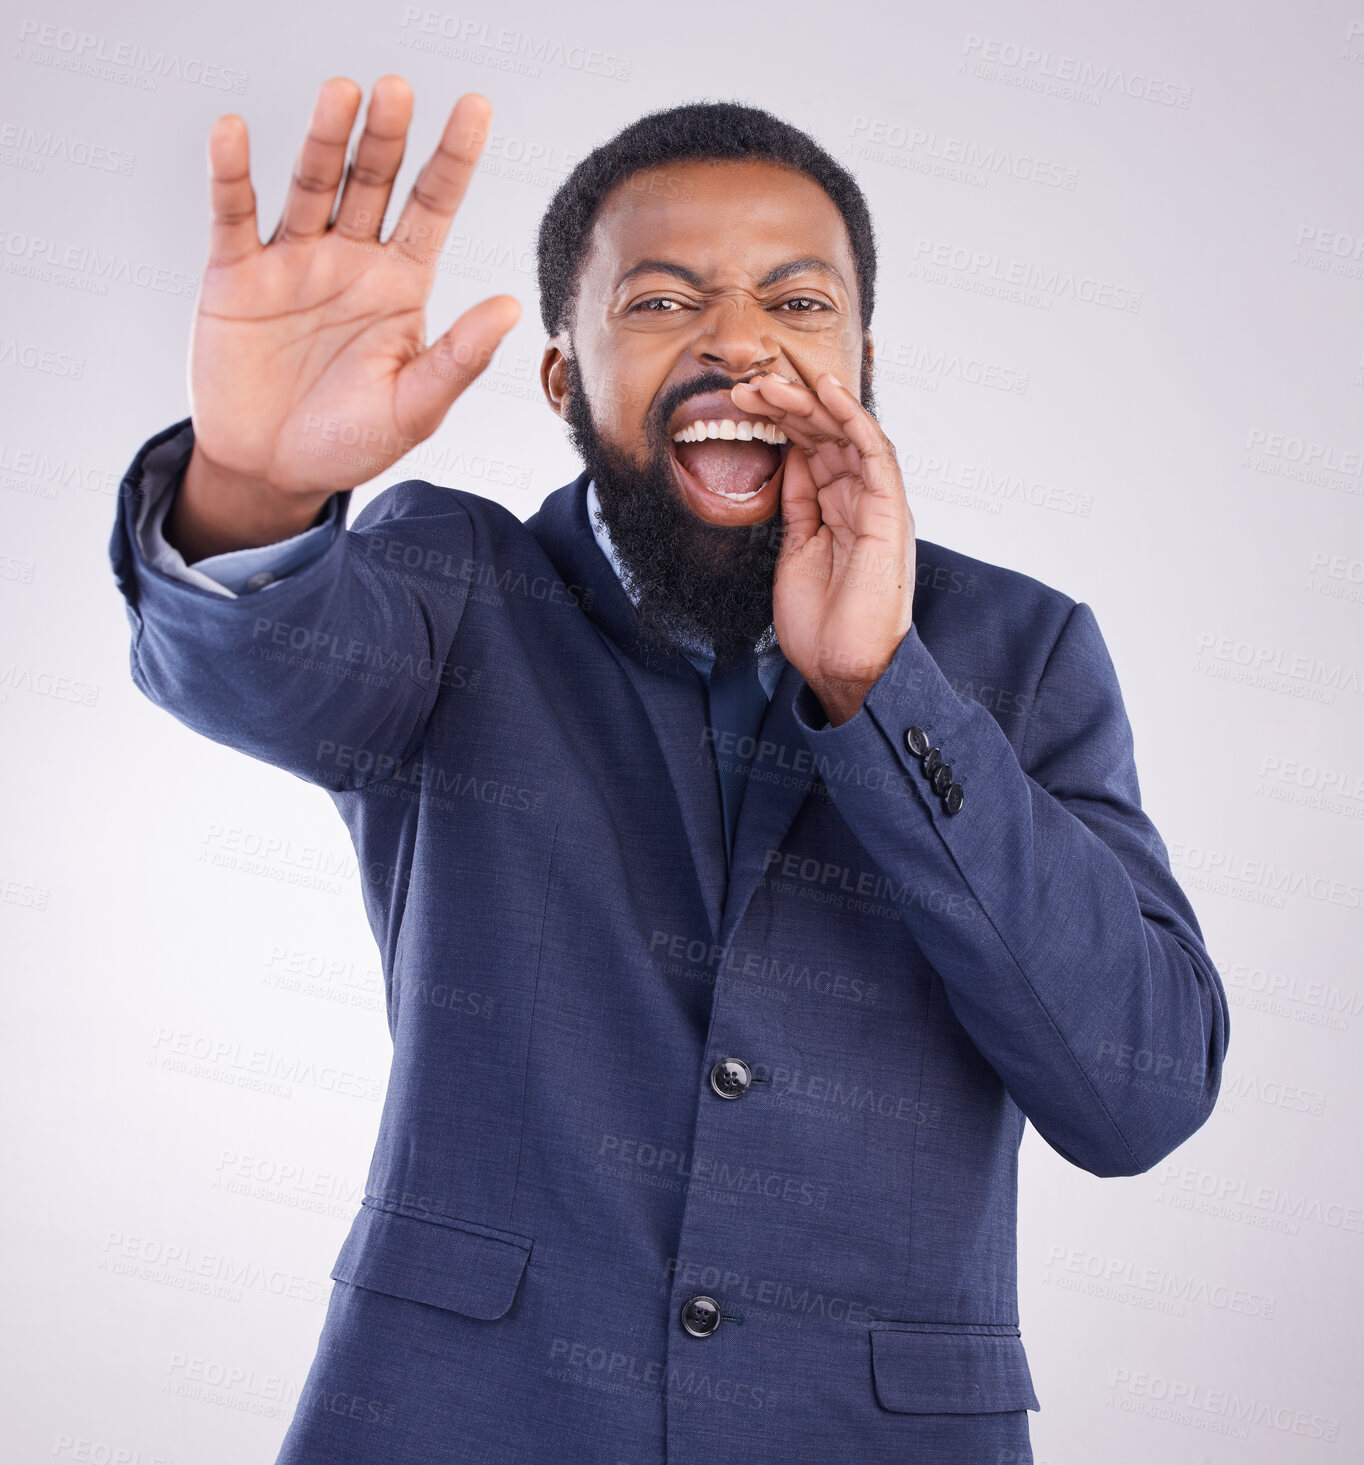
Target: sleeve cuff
911,696
238,571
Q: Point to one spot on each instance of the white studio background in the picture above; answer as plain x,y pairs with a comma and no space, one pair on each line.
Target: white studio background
1163,420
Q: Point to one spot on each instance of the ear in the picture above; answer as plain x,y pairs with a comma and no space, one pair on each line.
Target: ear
865,393
554,374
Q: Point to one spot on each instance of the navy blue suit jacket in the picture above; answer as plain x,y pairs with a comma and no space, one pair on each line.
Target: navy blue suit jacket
533,800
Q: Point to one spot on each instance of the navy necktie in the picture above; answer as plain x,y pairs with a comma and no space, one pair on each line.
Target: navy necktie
737,703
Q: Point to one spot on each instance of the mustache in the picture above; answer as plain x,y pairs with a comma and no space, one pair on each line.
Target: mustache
711,381
679,392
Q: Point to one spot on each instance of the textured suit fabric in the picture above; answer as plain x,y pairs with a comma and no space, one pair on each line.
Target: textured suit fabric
533,800
735,702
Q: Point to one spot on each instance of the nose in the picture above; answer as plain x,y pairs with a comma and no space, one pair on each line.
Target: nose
733,335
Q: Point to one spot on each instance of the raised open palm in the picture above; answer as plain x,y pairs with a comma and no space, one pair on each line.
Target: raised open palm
309,369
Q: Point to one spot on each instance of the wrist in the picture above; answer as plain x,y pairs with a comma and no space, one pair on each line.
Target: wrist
841,700
215,511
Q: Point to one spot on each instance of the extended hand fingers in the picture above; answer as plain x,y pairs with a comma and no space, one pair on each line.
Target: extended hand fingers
232,201
377,158
443,182
321,159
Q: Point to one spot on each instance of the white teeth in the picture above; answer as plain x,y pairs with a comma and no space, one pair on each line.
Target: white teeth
730,431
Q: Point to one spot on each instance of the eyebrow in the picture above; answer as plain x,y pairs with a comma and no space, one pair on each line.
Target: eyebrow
811,263
661,267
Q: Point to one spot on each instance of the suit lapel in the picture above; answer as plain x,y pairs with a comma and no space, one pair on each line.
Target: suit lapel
780,780
673,695
669,687
676,708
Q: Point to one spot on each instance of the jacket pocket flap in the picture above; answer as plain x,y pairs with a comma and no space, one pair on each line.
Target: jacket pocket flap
456,1265
950,1371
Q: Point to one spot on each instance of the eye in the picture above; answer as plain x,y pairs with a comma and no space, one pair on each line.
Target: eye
803,305
657,305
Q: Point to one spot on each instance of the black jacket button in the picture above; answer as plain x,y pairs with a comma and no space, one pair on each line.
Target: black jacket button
953,798
932,761
700,1316
916,740
730,1078
942,778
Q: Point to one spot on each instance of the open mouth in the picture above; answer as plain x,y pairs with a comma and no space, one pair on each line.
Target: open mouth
728,456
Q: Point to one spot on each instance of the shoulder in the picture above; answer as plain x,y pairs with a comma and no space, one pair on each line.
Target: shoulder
416,518
991,630
416,499
960,598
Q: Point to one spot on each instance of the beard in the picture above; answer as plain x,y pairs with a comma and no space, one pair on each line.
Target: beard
695,582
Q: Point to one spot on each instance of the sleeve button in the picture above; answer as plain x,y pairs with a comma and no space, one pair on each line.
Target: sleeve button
916,740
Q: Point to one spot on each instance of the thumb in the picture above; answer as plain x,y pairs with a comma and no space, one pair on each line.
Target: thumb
428,385
801,518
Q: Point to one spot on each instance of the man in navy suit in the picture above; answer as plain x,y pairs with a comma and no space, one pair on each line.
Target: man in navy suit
745,871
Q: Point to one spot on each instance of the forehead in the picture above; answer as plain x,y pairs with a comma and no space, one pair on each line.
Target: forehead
718,218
